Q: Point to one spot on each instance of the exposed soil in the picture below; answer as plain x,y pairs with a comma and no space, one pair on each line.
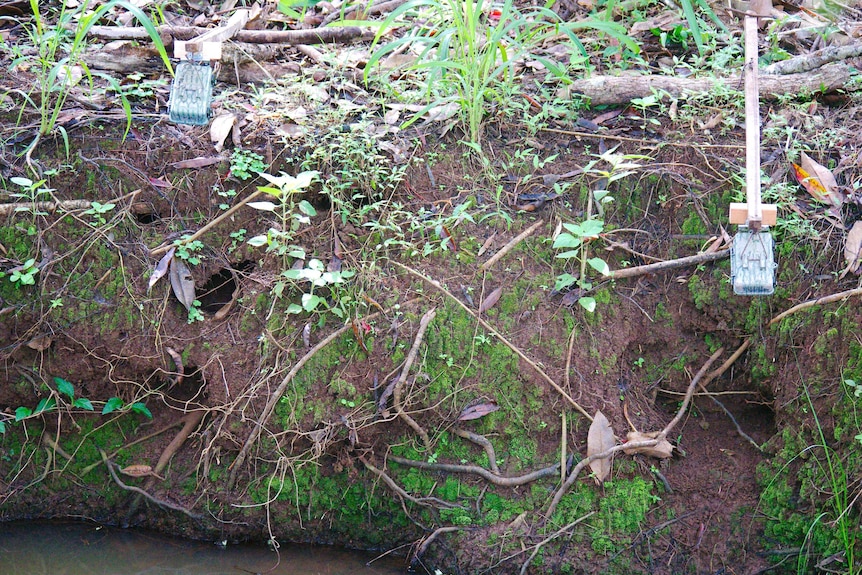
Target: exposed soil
310,476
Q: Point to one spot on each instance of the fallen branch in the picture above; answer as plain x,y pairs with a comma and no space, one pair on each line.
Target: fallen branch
287,37
483,442
511,244
816,59
436,285
399,384
68,205
619,90
437,532
662,436
141,492
819,301
668,265
480,471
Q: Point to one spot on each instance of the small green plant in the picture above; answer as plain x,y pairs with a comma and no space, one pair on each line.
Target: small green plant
25,274
315,275
98,211
195,313
57,59
189,251
244,164
469,53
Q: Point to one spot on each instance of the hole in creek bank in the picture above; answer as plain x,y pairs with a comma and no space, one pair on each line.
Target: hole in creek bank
219,288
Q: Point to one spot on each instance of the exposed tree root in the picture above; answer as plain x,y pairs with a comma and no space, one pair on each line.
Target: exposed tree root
512,243
550,538
480,471
141,492
813,302
662,436
483,442
399,384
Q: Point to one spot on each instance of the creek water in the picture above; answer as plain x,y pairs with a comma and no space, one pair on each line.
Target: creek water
37,548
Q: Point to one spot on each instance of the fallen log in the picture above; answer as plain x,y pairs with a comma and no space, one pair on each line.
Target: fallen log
619,90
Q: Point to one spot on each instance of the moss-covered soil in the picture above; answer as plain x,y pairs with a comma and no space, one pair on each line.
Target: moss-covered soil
261,423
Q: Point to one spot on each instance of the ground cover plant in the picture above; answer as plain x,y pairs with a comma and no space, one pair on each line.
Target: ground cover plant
443,279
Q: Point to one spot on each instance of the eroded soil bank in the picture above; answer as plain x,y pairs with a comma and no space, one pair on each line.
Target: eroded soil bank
393,355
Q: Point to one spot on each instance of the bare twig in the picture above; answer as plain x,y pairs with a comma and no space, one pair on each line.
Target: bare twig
670,264
550,538
430,539
436,285
512,243
279,391
819,301
480,471
211,224
284,37
399,385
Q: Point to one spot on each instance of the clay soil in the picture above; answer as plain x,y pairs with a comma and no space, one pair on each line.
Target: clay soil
114,336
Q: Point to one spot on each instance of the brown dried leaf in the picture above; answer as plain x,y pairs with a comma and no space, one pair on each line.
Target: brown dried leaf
600,438
182,282
828,186
40,343
137,470
662,450
178,363
199,162
490,300
853,247
161,268
477,411
220,129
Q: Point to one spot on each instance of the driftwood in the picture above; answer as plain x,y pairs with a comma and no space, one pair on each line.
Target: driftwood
617,90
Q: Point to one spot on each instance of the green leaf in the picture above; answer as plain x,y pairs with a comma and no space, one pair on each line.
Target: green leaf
64,387
567,241
588,304
306,208
592,228
2,427
83,403
569,254
139,407
310,301
111,405
45,404
23,413
294,309
564,281
257,241
599,265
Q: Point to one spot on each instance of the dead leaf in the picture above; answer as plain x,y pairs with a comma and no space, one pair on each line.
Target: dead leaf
818,181
600,438
490,300
199,162
220,129
662,450
182,282
853,248
487,244
40,343
178,363
478,410
225,309
161,268
139,471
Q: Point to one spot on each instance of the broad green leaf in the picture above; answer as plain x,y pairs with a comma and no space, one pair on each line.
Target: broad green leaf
567,241
592,228
45,404
257,241
564,281
294,309
306,208
65,387
23,413
83,403
2,427
111,405
588,303
310,301
599,265
570,254
139,407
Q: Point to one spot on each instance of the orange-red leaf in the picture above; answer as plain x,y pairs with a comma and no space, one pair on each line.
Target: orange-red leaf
818,181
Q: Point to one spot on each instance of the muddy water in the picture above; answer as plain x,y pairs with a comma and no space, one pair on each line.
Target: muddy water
82,549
